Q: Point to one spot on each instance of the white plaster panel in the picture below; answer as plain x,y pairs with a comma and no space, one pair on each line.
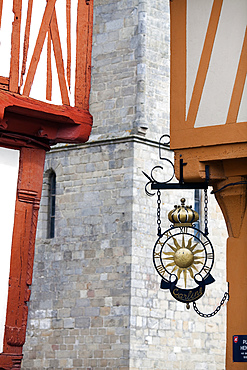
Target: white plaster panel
38,90
9,167
198,14
5,37
223,65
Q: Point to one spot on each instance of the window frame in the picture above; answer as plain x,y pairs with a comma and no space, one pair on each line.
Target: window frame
51,205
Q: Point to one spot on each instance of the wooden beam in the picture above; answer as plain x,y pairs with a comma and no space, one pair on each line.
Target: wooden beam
89,53
59,59
238,88
39,46
1,10
81,55
178,65
48,69
4,80
68,24
4,83
15,47
26,40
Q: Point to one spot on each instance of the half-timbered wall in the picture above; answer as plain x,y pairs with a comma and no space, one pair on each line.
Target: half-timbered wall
50,56
96,302
208,64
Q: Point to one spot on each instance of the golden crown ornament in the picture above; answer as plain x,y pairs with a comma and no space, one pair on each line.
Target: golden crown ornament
183,215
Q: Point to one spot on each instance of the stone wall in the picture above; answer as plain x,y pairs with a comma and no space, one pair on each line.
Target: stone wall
114,65
96,302
79,312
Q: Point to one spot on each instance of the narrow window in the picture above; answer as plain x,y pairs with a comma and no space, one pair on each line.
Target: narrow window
51,205
197,206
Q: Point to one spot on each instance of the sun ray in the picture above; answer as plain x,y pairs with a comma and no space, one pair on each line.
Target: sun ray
197,262
183,242
179,273
198,251
175,268
191,272
169,258
169,253
173,248
176,243
189,243
171,264
193,247
194,267
185,277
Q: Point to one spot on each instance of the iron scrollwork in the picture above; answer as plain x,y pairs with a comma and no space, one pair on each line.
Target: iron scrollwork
164,143
182,185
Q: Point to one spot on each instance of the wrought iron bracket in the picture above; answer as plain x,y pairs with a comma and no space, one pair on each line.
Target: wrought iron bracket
165,185
182,184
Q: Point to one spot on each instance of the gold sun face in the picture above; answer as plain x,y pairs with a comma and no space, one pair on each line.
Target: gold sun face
183,253
184,257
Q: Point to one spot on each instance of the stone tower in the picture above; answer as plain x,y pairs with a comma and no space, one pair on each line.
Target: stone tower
96,302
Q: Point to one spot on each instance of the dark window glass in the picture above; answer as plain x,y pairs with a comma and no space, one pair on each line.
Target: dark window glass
51,205
197,206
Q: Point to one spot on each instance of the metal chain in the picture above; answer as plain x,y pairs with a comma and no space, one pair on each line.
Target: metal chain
206,315
158,213
206,211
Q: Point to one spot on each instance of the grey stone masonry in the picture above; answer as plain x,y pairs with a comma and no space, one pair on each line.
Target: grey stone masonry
80,307
130,74
96,301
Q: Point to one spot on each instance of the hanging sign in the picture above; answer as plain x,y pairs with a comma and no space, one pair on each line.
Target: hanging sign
183,256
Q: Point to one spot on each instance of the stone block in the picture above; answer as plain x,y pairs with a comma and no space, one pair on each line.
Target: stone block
82,322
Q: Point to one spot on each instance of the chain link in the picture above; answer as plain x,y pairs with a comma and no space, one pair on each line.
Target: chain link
158,213
206,211
207,315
